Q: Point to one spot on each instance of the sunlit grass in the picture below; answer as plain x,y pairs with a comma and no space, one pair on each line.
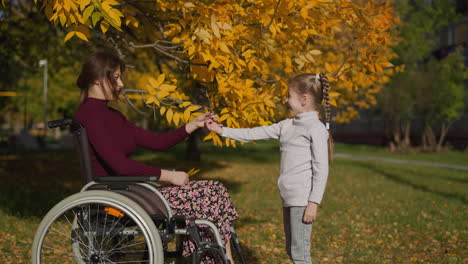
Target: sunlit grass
447,156
372,212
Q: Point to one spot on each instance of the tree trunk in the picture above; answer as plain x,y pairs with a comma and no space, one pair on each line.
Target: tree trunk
406,136
443,135
395,145
193,151
429,140
401,137
144,122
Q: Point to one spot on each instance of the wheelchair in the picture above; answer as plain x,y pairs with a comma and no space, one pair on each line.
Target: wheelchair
120,219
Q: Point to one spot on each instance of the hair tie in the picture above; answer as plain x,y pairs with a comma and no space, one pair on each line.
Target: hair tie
327,125
317,77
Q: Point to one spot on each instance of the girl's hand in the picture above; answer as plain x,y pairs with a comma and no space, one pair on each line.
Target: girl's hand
197,122
179,178
213,126
310,213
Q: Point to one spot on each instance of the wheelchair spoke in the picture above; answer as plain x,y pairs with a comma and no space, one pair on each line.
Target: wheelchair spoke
111,228
116,232
130,261
105,225
113,250
66,231
85,233
120,240
67,236
89,226
55,242
118,249
78,222
61,251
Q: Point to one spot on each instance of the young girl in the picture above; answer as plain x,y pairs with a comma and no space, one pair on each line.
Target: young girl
306,149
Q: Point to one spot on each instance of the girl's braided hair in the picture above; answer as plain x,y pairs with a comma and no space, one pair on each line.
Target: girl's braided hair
325,84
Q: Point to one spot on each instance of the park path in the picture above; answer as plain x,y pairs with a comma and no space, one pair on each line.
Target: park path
401,161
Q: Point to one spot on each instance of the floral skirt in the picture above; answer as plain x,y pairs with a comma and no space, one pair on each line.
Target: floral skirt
208,200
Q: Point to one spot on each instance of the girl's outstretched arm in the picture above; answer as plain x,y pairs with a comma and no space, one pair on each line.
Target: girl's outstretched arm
246,134
211,124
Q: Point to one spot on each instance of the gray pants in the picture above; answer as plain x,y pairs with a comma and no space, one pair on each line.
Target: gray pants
297,235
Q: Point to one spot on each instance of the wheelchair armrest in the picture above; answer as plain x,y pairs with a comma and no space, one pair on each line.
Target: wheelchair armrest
126,179
63,123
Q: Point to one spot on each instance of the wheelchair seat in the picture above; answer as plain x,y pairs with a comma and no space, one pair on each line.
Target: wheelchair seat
147,199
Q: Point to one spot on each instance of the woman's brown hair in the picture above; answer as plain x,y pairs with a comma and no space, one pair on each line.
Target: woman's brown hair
318,86
100,66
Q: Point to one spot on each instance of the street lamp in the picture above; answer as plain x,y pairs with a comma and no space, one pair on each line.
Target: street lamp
43,63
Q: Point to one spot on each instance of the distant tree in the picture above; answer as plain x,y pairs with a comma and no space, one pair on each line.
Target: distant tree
401,100
439,100
25,38
396,103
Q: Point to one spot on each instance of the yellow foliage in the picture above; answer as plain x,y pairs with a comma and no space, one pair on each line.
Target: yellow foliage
241,53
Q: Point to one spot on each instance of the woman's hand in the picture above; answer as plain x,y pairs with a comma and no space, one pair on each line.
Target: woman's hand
310,213
179,178
197,122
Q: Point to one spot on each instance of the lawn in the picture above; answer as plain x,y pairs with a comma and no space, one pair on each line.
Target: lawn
372,212
447,156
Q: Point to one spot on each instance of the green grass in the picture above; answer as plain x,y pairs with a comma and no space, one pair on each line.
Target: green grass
372,212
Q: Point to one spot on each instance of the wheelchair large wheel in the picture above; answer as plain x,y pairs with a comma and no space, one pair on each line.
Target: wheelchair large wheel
97,227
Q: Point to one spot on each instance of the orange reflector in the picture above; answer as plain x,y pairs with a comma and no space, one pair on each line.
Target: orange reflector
114,212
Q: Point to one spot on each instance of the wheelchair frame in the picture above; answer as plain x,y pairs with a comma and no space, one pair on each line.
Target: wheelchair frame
139,200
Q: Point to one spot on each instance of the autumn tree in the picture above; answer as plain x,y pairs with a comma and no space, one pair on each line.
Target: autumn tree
234,57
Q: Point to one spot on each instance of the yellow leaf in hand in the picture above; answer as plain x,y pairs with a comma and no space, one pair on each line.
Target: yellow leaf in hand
193,171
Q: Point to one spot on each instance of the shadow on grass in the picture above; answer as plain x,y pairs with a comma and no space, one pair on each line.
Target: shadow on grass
32,183
204,166
248,220
464,181
399,178
265,152
249,255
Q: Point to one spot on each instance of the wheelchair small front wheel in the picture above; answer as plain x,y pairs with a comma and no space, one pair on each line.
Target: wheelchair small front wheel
97,227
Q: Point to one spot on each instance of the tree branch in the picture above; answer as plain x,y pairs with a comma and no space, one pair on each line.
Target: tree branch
272,18
125,93
265,80
164,49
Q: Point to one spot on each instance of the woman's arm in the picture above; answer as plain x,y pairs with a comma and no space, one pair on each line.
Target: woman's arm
162,142
116,159
158,142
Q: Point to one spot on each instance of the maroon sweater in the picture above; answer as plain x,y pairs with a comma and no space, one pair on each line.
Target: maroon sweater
114,138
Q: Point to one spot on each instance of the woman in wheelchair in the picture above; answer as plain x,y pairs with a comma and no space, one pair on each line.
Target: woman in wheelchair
113,138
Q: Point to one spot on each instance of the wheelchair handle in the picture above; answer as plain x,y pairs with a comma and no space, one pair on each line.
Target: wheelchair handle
63,123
